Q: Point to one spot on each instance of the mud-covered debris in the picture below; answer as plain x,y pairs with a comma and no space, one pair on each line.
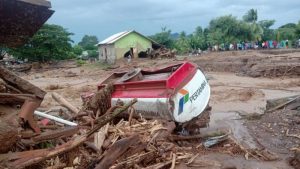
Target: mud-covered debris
291,103
295,161
98,102
215,140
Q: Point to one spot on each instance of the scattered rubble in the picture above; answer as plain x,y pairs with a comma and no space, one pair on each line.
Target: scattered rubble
162,53
120,143
279,126
98,135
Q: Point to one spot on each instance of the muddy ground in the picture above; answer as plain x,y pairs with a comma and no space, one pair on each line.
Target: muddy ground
241,82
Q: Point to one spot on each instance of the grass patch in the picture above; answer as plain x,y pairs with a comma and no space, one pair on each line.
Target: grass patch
80,62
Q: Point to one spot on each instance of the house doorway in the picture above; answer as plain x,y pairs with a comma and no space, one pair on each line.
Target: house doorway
143,54
129,52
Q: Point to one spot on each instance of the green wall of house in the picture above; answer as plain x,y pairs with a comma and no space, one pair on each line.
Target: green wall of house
132,40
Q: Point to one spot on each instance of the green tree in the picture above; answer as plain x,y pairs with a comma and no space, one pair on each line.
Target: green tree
227,29
77,50
297,31
164,38
88,42
182,43
198,39
50,42
268,33
286,34
288,25
256,30
2,52
251,16
93,53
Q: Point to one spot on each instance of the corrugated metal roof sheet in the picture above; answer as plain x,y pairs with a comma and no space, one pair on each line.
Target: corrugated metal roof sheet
113,38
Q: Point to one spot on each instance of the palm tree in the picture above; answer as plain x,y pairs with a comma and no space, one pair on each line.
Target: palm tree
250,16
256,29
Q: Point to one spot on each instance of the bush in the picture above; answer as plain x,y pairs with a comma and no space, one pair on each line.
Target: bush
80,62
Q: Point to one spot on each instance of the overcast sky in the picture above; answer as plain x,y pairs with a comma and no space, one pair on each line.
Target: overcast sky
106,17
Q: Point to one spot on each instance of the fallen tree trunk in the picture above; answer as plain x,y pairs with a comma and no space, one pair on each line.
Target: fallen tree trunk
55,134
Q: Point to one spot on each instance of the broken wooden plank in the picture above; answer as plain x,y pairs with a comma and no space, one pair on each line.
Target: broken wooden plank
136,160
66,132
117,150
100,136
26,113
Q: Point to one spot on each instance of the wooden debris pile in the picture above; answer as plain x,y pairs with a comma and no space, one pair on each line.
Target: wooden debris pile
162,53
96,135
16,92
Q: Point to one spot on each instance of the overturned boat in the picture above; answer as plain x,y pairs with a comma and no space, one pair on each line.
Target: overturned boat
178,92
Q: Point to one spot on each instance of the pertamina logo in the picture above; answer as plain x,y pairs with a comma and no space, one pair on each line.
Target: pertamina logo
185,98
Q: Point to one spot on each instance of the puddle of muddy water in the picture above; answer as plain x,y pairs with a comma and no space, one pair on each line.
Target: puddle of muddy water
232,122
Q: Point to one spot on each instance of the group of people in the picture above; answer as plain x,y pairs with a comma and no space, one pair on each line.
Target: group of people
271,44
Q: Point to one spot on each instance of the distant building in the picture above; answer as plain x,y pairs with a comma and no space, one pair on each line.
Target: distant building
123,45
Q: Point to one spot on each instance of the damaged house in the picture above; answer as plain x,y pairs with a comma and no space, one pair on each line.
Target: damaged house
123,44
